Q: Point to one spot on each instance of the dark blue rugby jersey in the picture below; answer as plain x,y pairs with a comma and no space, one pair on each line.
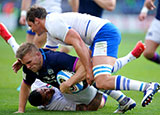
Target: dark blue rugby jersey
90,7
53,62
158,10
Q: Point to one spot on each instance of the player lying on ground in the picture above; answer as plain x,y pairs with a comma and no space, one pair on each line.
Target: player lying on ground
47,97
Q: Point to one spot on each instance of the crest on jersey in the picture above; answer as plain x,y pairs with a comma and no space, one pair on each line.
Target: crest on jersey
50,71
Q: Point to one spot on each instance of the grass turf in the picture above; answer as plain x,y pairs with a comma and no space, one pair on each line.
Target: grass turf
140,69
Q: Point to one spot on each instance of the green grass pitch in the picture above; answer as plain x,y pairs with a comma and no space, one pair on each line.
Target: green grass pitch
140,69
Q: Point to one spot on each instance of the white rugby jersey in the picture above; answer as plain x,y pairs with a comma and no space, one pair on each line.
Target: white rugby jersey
59,103
50,5
58,24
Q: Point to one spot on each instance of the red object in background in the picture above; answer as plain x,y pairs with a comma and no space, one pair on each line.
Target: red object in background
8,8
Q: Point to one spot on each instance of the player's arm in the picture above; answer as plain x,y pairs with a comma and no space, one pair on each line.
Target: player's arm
24,93
143,14
76,78
74,4
106,4
74,39
24,7
150,4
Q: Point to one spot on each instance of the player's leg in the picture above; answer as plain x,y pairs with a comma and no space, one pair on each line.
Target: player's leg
7,36
152,41
134,54
104,80
125,103
150,52
104,53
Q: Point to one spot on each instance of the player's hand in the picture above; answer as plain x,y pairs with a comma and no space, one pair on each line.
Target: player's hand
89,77
150,4
65,88
22,20
17,66
142,16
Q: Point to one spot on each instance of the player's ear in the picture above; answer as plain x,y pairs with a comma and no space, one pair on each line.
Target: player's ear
36,20
38,53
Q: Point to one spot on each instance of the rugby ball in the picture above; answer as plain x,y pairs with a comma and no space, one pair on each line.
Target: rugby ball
65,75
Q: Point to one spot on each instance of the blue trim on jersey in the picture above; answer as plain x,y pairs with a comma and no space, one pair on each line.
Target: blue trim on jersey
87,28
111,34
30,32
43,54
52,47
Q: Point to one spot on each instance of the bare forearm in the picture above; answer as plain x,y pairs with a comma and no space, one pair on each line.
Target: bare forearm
24,93
79,75
25,4
106,4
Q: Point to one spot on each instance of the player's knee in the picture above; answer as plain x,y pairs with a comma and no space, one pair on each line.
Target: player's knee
102,82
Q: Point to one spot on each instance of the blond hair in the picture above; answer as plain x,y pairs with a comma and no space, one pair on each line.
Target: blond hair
24,49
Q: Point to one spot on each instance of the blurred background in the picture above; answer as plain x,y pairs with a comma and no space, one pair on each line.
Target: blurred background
125,15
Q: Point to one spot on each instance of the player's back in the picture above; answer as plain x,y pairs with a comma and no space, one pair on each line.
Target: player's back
86,25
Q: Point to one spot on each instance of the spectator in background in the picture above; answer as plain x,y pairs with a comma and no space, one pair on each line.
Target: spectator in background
152,39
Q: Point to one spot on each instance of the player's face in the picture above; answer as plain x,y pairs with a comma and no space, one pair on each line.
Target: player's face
46,94
32,61
36,26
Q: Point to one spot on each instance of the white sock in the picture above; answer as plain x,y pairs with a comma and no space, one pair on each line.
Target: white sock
12,42
123,83
120,62
117,95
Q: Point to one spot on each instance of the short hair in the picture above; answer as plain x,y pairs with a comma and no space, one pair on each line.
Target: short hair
36,12
35,98
24,49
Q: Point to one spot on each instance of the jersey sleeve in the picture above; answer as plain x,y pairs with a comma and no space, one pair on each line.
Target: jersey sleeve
56,26
28,76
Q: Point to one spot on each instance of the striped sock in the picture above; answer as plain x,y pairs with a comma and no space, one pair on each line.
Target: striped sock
120,62
117,95
123,83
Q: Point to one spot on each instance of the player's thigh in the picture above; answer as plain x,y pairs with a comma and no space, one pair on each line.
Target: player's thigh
100,60
152,39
